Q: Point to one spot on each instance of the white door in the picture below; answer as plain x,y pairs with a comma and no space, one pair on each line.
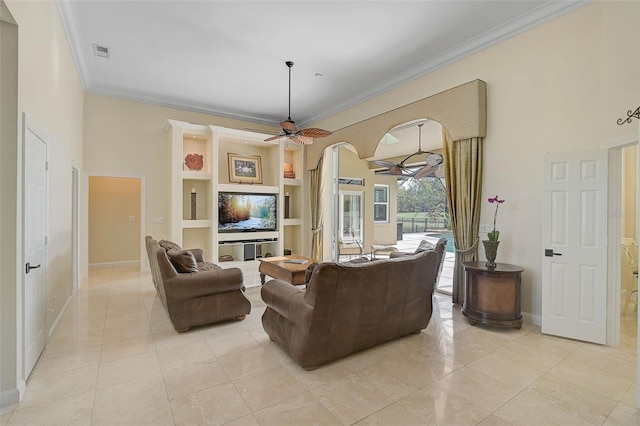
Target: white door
574,273
35,214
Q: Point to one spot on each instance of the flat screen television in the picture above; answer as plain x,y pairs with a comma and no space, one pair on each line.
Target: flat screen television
247,212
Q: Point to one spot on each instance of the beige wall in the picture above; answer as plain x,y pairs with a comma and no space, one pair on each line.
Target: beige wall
128,138
386,233
558,87
51,95
9,270
112,236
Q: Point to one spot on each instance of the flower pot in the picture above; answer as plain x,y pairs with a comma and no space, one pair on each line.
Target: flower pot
490,251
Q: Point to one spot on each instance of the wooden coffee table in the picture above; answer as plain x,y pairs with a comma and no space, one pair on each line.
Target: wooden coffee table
277,267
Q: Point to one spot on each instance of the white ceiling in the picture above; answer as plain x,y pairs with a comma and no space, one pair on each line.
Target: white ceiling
227,57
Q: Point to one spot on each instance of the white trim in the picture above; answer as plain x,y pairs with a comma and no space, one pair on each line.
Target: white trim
105,265
621,142
54,326
545,13
385,203
548,11
75,228
11,396
72,30
613,251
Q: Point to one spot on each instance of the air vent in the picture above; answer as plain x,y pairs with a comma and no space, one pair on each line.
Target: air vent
102,51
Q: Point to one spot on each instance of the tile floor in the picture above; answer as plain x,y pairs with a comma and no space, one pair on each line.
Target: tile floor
116,360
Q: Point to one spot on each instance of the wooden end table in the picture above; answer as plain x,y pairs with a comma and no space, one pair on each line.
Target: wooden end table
492,295
277,267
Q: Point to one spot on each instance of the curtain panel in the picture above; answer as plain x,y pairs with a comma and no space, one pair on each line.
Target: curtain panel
316,179
463,176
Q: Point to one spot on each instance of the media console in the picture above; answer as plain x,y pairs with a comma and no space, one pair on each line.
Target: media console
246,250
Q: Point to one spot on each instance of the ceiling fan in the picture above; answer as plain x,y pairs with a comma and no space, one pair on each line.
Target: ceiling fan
432,161
291,131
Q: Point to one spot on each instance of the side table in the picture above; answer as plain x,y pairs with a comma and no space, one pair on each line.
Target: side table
492,295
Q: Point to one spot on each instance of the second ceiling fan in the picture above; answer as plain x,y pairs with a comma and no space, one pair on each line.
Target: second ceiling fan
291,131
432,162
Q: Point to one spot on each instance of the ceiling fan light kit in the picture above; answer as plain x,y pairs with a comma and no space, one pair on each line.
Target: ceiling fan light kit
291,131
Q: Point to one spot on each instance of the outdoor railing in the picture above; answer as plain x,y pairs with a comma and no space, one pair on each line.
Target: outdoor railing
413,225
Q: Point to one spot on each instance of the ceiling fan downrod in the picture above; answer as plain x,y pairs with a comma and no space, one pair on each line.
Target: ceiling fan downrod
290,65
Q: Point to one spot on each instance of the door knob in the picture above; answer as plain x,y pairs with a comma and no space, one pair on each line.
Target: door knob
29,267
551,253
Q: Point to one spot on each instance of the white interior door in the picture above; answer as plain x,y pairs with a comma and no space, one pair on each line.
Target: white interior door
574,276
35,214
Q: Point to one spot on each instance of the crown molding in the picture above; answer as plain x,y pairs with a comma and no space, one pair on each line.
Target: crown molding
74,36
545,13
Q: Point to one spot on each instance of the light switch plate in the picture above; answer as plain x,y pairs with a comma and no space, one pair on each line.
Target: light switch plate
486,227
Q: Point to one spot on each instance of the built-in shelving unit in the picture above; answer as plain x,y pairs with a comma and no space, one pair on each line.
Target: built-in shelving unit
215,144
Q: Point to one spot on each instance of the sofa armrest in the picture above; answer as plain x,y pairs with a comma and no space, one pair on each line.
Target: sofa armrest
205,283
285,299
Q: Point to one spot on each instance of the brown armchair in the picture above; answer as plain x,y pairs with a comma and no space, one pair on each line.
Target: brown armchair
204,296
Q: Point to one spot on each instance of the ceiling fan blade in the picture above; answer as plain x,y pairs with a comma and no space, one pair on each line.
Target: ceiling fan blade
313,132
273,138
289,126
302,140
425,171
385,163
439,171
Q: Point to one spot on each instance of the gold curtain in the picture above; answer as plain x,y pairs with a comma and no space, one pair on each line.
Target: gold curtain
317,187
463,175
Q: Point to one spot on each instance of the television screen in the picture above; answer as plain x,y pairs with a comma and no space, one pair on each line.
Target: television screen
244,212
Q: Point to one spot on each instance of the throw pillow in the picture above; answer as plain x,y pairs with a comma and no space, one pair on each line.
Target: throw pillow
169,245
183,260
424,246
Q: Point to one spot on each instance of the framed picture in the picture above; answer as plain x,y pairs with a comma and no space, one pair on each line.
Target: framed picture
245,168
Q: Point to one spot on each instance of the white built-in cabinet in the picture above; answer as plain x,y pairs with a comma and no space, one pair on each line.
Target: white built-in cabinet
215,143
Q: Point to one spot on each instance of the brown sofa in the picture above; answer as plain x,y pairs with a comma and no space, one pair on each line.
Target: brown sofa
350,306
440,247
207,295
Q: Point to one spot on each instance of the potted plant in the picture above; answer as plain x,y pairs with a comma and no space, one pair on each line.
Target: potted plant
491,245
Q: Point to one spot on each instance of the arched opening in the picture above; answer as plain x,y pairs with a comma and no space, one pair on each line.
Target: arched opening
411,155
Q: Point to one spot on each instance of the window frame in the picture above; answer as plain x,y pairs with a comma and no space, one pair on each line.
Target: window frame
384,203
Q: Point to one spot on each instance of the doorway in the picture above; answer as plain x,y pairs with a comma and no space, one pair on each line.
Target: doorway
115,220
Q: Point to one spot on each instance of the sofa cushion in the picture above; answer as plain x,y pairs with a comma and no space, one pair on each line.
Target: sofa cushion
169,245
424,246
208,266
183,260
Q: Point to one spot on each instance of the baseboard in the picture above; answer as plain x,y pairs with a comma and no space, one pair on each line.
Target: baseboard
531,319
12,396
54,327
112,264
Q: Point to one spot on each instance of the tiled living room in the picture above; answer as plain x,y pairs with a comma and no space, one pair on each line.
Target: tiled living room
116,359
561,78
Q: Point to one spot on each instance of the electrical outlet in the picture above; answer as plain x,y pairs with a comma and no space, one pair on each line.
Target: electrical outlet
132,218
485,227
